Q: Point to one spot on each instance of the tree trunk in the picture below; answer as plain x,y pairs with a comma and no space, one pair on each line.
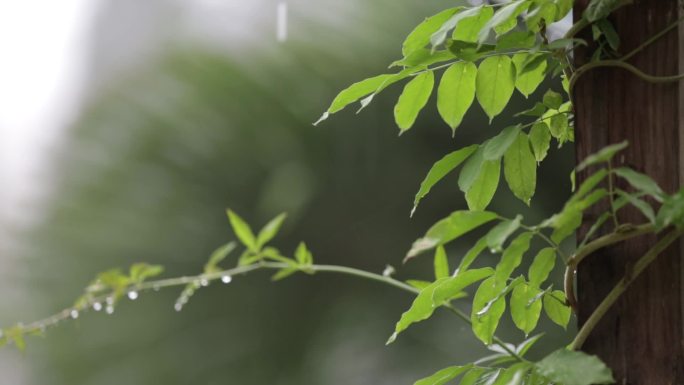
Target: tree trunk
641,338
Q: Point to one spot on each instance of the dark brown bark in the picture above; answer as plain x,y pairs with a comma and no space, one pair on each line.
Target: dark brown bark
641,338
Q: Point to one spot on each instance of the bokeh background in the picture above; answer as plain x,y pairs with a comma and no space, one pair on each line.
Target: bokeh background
126,129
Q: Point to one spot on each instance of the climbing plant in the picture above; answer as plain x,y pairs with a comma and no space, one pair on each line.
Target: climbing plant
483,53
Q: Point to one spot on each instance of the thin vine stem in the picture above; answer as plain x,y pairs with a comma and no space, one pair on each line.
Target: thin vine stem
40,325
621,286
652,39
626,66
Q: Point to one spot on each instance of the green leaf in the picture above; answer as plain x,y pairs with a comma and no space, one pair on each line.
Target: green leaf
353,93
423,58
603,155
473,376
514,375
284,273
484,326
302,255
569,367
443,376
552,99
556,309
525,310
242,231
441,263
495,84
640,204
564,7
641,182
516,40
471,169
672,211
537,111
531,70
499,233
541,266
497,146
468,29
471,254
546,11
483,188
414,97
440,36
270,230
440,169
420,310
218,256
504,19
598,9
453,286
139,272
418,284
520,169
420,36
456,92
540,140
450,228
612,37
512,256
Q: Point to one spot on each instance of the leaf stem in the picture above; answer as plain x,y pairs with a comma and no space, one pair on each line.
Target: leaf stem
621,286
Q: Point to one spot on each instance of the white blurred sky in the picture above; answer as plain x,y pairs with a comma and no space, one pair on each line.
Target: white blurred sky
42,52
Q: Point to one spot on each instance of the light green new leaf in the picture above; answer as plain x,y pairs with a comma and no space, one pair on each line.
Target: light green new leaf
512,256
541,266
497,146
552,99
569,367
441,263
456,92
483,188
471,169
353,93
531,70
141,271
540,140
420,36
242,231
499,233
525,310
453,286
468,29
450,228
603,155
443,376
420,310
440,36
495,84
484,326
302,255
414,97
520,169
218,256
440,169
641,182
598,9
556,309
504,19
270,230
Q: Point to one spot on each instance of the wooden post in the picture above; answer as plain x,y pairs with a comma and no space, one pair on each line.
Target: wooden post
642,337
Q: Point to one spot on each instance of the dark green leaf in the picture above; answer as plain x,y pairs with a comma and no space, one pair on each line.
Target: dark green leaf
543,12
473,253
484,326
598,9
552,99
512,256
641,182
640,204
672,211
420,310
516,40
439,170
443,376
453,286
471,169
603,155
574,368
